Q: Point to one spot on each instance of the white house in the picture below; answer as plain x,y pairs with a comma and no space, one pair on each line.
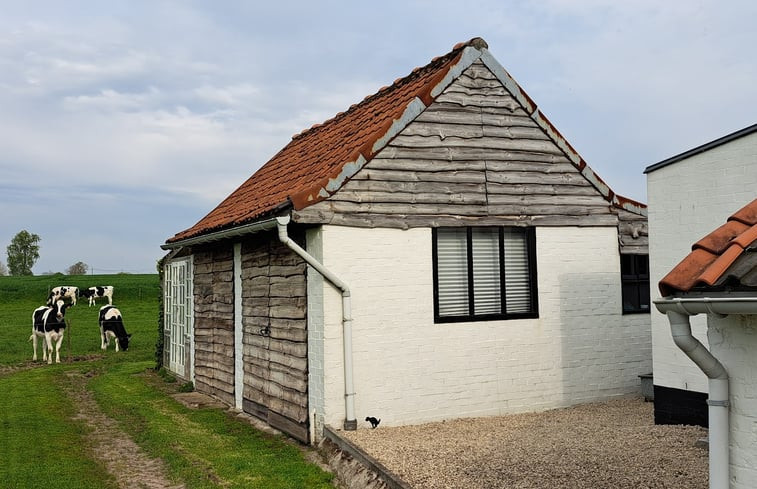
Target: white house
689,195
718,281
436,251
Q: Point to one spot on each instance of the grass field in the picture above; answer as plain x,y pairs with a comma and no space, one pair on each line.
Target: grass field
135,295
44,439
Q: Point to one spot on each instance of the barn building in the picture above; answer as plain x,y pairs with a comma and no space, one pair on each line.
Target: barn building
436,251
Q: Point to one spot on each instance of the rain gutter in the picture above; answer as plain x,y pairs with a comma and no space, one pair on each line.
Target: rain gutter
679,310
234,232
350,422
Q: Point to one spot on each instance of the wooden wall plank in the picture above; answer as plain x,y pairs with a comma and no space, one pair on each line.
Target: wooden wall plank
274,341
406,221
474,156
214,321
633,233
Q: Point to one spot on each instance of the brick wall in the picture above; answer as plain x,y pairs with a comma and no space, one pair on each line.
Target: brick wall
410,370
733,341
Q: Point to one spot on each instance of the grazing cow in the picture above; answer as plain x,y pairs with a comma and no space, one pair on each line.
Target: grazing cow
96,292
48,323
112,326
62,292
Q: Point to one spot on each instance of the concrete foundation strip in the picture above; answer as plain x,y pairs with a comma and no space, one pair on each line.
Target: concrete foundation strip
392,480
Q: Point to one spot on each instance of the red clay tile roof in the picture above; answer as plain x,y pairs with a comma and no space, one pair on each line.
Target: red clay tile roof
319,160
298,172
724,257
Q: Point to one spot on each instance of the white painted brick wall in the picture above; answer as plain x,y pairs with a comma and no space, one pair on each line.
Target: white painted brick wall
315,289
409,370
734,341
688,200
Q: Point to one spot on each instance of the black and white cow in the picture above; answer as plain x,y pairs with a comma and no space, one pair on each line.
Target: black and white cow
62,292
48,323
112,326
96,292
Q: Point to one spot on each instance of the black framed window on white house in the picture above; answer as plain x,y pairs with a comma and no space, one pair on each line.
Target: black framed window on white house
634,277
484,273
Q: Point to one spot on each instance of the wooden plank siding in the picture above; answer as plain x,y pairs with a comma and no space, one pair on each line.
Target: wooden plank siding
633,233
474,156
214,321
274,322
274,308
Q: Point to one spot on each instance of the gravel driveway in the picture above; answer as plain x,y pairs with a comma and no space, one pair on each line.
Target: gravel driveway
612,444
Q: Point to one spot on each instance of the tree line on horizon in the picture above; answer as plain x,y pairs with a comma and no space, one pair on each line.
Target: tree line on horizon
23,253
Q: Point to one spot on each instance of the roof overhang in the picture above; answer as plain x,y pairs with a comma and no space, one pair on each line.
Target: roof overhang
235,232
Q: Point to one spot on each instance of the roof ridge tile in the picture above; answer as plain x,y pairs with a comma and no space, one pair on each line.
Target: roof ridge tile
416,72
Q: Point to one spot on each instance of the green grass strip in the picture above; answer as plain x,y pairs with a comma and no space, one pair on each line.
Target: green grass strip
40,446
206,448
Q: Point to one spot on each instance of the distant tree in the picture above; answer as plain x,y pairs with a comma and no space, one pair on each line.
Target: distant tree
3,270
78,268
23,253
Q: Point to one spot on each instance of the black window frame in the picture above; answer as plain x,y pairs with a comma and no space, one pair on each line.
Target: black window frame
634,280
530,239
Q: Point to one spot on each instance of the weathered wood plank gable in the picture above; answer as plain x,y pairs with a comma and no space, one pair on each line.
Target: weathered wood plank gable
473,156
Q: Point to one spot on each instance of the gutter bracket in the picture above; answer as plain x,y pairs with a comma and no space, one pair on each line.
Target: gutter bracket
725,404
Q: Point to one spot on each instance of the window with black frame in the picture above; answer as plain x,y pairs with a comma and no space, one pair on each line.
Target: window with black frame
484,273
634,276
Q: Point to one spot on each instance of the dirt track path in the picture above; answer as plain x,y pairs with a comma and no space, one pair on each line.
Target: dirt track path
125,460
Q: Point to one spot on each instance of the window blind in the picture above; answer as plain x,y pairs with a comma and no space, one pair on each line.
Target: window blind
484,272
517,282
452,253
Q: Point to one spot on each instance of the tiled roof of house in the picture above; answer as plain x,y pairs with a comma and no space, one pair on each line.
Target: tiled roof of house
727,257
316,155
318,161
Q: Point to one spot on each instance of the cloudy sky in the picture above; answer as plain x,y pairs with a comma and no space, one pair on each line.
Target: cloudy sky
124,122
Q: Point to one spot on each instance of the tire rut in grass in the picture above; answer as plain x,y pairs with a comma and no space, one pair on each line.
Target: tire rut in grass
124,459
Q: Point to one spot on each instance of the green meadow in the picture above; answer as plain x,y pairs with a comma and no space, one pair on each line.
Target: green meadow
135,295
44,443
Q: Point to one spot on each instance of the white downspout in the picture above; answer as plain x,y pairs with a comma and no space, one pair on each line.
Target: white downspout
350,422
679,312
717,403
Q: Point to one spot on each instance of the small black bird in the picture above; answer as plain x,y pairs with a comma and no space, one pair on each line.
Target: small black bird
374,422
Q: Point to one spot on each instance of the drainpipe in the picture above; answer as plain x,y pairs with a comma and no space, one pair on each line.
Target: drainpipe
350,422
679,311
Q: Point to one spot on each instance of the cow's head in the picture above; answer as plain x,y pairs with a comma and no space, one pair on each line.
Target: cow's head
60,309
123,342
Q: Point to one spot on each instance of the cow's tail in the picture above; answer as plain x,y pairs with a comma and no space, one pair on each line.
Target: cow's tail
30,338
